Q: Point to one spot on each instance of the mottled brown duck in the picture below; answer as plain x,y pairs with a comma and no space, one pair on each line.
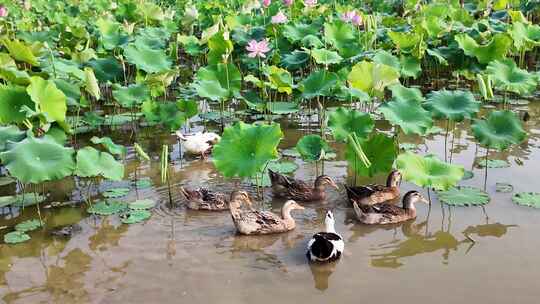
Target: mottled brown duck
385,213
375,194
204,199
298,190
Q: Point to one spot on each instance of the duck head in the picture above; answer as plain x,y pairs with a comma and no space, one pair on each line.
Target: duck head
413,197
329,222
394,179
324,180
238,198
292,205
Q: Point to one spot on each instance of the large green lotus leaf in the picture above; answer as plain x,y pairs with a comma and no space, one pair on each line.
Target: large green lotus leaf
529,199
218,46
91,162
10,134
381,151
225,76
14,75
211,89
13,99
112,35
48,98
29,225
91,84
312,147
410,66
453,105
244,149
107,69
132,95
372,77
408,114
21,51
107,208
318,83
326,57
166,113
280,79
135,216
71,90
384,57
282,108
295,60
297,32
525,36
495,49
189,107
109,145
16,237
406,42
429,171
147,59
499,131
36,160
284,167
438,56
341,36
344,121
400,92
507,76
464,196
142,204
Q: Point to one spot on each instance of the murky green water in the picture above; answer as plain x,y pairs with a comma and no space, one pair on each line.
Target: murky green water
472,254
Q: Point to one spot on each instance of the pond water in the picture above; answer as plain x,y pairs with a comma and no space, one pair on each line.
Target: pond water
481,255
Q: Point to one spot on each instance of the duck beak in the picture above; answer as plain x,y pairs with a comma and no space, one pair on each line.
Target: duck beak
333,184
426,201
298,207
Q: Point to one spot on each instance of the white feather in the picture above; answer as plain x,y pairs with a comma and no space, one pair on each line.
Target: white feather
198,142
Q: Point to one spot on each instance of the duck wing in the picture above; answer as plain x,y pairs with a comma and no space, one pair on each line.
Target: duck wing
387,209
324,247
212,200
290,188
361,192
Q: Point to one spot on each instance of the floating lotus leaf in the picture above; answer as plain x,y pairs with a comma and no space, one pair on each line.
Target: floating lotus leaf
13,98
499,131
381,151
109,145
529,199
147,59
508,77
143,204
467,175
116,192
344,121
29,225
22,200
144,183
493,163
372,78
504,187
408,114
91,162
244,149
326,57
453,105
429,171
464,196
318,83
48,98
16,237
136,216
10,134
494,50
36,160
312,147
107,208
132,95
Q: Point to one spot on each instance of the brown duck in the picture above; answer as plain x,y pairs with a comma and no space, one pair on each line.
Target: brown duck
251,222
204,199
298,190
385,213
375,194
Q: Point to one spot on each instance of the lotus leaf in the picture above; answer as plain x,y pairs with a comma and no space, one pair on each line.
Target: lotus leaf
13,98
493,50
111,32
400,92
166,113
295,60
384,57
326,57
380,150
429,171
467,175
91,84
297,32
6,180
407,42
21,51
493,163
284,167
48,98
452,105
146,59
244,149
71,90
344,121
91,162
107,208
280,79
504,187
10,134
36,160
219,47
16,237
109,145
219,81
525,36
189,107
507,76
107,69
29,225
410,66
529,199
408,114
143,204
499,131
144,183
372,78
312,147
136,216
464,196
318,83
341,35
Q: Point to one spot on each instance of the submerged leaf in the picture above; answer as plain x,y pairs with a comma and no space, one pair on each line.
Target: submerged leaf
29,225
16,237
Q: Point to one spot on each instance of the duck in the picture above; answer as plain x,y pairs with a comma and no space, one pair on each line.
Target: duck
326,246
385,213
256,222
200,143
376,194
204,199
298,190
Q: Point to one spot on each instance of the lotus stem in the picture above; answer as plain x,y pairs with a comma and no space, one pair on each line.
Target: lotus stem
353,140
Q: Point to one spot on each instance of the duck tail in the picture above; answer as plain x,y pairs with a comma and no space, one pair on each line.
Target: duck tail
357,210
278,179
350,192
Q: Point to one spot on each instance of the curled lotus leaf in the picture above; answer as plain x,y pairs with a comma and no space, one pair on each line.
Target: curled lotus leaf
508,77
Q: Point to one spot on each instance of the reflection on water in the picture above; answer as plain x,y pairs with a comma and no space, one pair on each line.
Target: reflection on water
321,274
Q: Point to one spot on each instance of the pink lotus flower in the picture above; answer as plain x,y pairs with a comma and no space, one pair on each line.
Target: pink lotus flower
310,3
266,3
352,17
288,2
3,11
258,49
357,20
279,18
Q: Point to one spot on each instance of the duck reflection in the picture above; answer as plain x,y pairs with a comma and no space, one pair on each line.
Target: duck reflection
495,230
321,274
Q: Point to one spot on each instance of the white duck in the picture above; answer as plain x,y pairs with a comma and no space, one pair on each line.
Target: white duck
326,246
200,143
